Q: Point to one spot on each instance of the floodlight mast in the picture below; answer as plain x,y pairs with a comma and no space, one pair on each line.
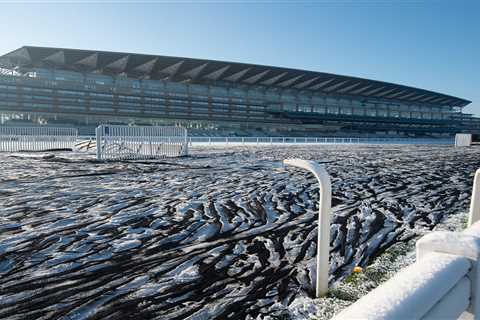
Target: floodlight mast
325,208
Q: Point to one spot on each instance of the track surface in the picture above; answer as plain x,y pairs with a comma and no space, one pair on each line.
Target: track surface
224,234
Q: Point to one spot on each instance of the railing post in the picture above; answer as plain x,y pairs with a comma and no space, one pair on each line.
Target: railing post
99,144
184,151
474,214
325,207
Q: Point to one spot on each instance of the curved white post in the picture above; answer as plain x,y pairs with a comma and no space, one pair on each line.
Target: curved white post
325,208
474,214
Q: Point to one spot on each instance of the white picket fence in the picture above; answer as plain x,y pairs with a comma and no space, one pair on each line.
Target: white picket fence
14,139
443,283
114,142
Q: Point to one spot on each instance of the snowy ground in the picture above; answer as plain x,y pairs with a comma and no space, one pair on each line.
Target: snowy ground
353,287
225,233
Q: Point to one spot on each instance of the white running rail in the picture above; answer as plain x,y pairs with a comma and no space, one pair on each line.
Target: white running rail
474,213
148,142
249,141
325,209
443,283
14,139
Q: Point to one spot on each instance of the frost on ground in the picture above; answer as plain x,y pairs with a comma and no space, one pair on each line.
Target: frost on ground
353,287
226,233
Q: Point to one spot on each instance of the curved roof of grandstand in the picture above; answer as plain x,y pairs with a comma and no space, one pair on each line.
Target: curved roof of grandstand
144,66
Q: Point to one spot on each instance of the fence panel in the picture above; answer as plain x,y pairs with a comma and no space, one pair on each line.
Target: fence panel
14,139
148,142
463,140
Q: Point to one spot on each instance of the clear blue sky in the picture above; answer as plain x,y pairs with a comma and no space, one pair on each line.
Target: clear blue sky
432,44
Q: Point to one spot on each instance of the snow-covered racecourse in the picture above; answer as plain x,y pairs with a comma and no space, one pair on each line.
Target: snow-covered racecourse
443,283
225,233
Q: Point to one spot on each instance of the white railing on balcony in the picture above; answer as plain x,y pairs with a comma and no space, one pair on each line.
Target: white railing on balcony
14,139
148,142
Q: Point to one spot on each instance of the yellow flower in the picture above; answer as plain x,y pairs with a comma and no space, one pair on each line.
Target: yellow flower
357,269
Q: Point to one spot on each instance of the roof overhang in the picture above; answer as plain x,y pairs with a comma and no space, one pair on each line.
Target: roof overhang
143,66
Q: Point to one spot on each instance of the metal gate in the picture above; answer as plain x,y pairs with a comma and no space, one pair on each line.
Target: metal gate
116,142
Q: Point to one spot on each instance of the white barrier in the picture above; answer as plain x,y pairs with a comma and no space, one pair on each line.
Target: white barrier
414,291
474,213
250,141
14,139
443,283
325,209
463,140
124,142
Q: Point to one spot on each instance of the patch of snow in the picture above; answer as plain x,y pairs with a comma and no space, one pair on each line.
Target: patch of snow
121,245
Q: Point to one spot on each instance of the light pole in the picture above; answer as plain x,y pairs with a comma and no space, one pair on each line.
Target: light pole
325,208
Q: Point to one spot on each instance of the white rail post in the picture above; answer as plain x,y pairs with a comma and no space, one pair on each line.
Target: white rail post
98,131
325,208
185,150
474,214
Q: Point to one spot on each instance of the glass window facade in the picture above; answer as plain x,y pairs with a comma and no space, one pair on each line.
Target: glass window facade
116,95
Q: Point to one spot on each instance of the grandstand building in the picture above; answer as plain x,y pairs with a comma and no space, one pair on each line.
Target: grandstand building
84,88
